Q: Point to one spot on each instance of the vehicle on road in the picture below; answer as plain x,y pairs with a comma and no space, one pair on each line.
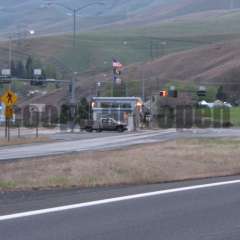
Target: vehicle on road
104,124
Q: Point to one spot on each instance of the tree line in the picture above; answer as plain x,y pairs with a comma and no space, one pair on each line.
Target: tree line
25,69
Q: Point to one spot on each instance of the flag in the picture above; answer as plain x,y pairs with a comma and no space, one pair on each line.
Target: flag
116,64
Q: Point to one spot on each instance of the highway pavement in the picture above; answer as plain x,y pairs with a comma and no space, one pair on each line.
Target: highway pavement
104,142
191,210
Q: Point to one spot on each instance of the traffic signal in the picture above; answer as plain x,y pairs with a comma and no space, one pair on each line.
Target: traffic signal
163,93
202,91
38,76
173,93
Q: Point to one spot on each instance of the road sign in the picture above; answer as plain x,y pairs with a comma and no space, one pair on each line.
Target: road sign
37,72
9,98
9,112
6,72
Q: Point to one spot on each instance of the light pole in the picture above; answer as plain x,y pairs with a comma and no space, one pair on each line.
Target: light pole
74,12
10,46
10,50
143,86
163,44
10,37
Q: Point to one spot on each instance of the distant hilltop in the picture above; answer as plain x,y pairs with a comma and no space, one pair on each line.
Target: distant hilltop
18,15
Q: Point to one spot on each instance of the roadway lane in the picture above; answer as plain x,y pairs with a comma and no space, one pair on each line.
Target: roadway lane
112,142
208,213
104,142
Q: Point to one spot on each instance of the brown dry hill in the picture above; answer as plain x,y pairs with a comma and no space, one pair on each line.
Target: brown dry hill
182,8
202,65
216,64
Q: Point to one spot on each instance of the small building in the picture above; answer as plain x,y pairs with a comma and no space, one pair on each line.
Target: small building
122,109
161,106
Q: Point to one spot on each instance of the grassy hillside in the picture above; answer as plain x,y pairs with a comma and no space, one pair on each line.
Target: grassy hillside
225,24
212,66
156,45
94,50
18,15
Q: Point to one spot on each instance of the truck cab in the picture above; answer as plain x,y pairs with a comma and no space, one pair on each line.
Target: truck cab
110,124
105,124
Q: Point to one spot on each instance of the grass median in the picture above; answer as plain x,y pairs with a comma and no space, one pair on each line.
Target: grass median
143,164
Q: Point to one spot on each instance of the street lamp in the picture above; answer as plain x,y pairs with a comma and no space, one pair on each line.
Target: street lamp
163,44
11,37
73,12
10,50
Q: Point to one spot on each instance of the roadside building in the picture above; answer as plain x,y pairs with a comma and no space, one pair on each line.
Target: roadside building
164,108
122,109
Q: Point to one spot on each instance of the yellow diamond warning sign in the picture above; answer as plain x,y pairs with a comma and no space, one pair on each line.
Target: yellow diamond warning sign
9,98
9,112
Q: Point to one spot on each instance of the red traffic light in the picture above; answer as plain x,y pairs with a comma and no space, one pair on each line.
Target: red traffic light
163,93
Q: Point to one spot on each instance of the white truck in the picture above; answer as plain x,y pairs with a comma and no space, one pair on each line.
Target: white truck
104,124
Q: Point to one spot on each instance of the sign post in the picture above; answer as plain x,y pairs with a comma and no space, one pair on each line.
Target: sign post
9,98
8,117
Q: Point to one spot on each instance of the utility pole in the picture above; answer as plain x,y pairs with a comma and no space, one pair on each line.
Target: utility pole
10,60
151,49
163,44
74,27
143,87
72,93
74,12
73,102
10,53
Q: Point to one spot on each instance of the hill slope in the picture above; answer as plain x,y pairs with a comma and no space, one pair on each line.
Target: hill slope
214,65
204,65
18,15
185,7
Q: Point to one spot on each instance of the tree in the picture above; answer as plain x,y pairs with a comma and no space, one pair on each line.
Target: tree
83,109
29,68
13,69
20,70
221,95
51,71
64,114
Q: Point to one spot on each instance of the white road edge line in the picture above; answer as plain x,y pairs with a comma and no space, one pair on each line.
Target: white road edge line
113,200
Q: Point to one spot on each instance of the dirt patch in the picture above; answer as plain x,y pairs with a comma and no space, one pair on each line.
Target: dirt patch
24,140
170,161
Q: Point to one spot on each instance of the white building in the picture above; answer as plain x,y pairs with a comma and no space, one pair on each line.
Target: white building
122,109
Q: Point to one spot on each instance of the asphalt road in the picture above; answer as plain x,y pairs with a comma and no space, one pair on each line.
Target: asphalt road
196,210
104,142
